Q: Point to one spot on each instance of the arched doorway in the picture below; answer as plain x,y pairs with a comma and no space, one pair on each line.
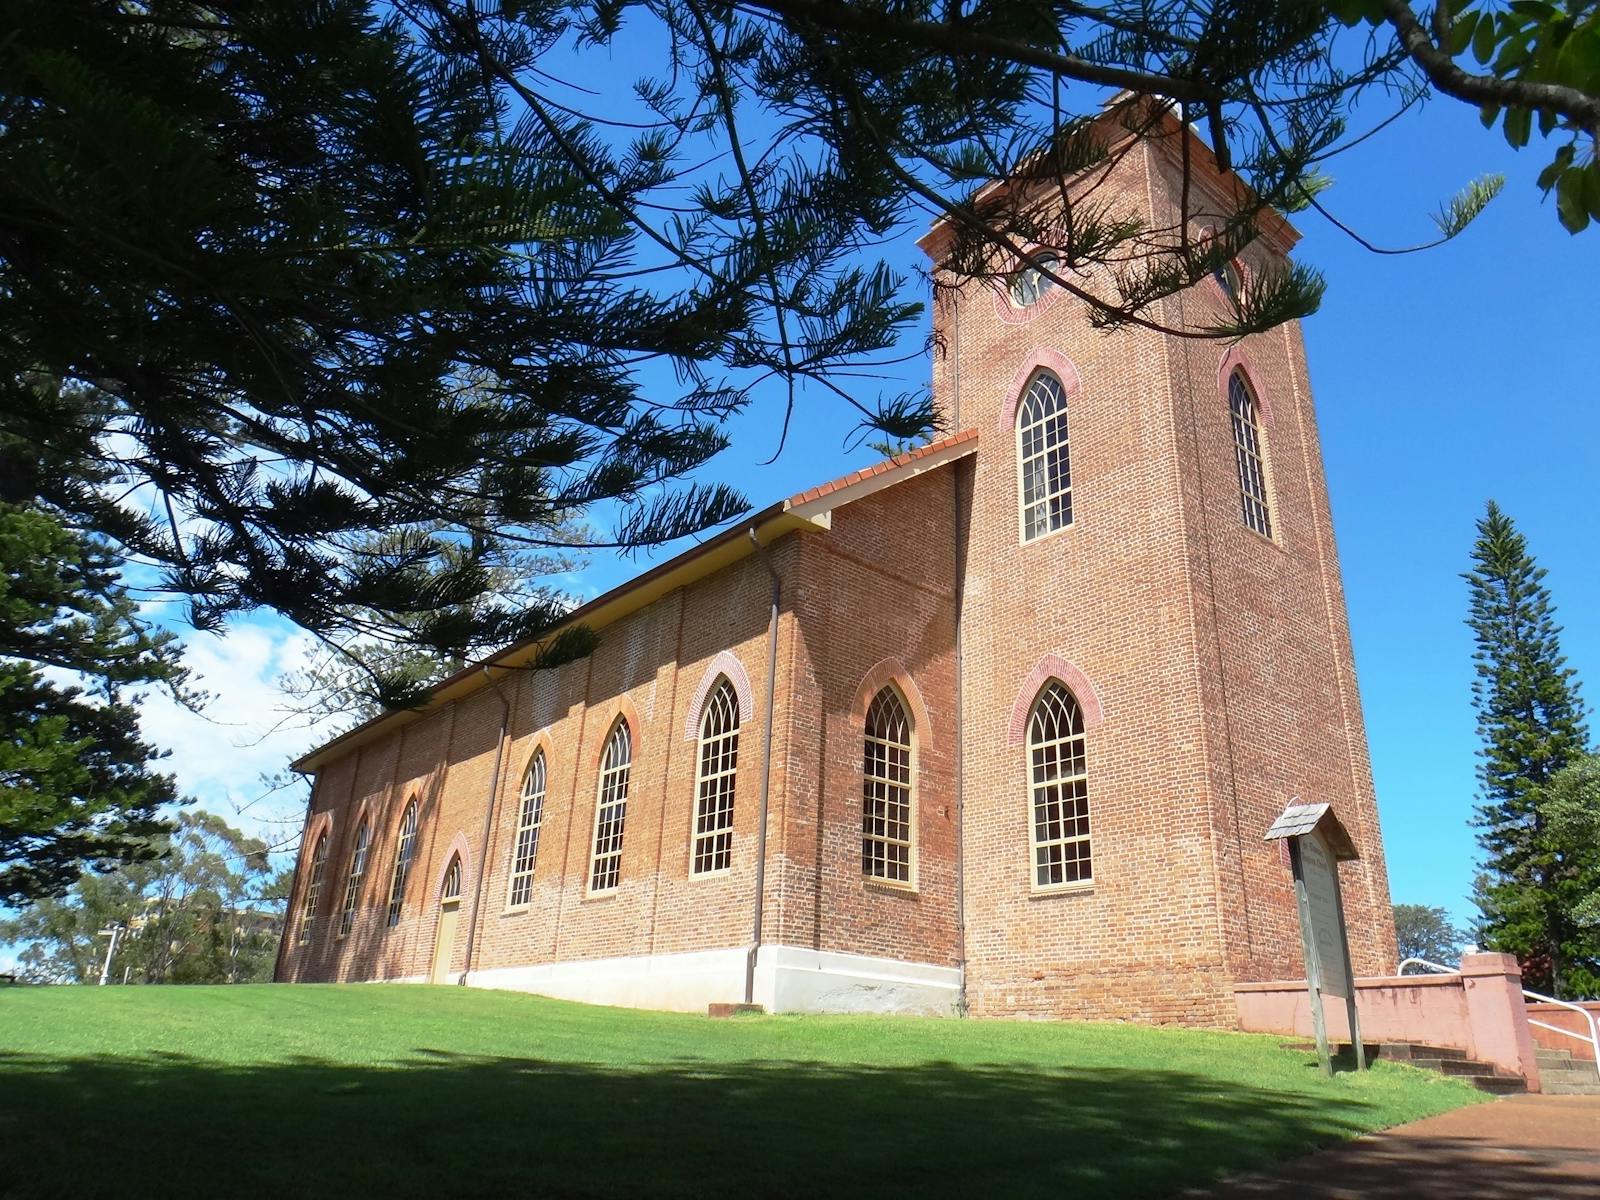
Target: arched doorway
444,938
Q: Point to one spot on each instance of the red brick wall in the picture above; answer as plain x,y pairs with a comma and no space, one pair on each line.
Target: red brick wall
875,592
893,556
1222,662
648,665
1271,615
1219,663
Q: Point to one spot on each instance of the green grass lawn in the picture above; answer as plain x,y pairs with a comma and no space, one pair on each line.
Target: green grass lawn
440,1091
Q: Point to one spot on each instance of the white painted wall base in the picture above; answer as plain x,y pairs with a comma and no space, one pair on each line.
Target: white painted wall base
788,979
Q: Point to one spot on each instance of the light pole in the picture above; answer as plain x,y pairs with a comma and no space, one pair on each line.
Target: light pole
113,932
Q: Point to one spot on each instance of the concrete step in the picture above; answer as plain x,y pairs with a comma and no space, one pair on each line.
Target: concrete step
1408,1051
1444,1059
1480,1075
1393,1051
1581,1080
1555,1061
1453,1066
1500,1085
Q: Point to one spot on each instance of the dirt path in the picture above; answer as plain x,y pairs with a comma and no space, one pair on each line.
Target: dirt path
1518,1148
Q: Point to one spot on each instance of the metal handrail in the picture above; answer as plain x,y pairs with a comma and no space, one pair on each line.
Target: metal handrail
1594,1032
1593,1037
1422,962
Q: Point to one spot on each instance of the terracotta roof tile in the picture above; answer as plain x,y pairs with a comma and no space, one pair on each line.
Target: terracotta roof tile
884,467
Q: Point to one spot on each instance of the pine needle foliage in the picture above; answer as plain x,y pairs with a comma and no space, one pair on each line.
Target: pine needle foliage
292,278
79,787
1571,806
1531,725
324,325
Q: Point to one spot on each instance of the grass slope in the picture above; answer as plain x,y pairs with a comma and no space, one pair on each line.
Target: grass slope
409,1091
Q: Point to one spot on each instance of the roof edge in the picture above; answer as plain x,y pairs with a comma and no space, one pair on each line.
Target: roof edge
808,510
1273,224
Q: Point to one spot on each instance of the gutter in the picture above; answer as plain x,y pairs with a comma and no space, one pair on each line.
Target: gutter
766,769
488,827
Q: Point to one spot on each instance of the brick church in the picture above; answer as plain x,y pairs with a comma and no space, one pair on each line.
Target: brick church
995,726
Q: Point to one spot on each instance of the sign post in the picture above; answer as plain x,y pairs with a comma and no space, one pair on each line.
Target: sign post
1318,843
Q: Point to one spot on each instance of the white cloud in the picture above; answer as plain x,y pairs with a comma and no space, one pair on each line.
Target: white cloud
245,731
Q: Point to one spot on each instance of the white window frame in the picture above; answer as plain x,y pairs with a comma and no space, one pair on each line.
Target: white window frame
886,784
1073,747
1252,463
314,880
611,809
450,885
716,781
405,850
1028,284
352,882
530,821
1023,426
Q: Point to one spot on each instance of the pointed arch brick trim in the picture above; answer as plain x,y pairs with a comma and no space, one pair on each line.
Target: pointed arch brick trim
1041,359
458,845
630,714
541,741
367,815
1206,233
723,664
1053,666
1237,358
892,670
321,824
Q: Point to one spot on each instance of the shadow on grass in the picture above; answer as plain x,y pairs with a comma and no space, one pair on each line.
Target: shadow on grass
446,1124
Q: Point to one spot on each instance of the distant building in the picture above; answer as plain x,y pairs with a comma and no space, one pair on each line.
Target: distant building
1032,696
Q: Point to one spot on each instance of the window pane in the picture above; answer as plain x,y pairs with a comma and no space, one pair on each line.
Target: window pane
402,863
612,809
719,758
1248,456
1060,789
352,886
886,819
1043,457
530,817
319,865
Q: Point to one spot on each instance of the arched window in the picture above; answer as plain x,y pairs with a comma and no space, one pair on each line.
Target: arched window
319,867
402,862
1227,277
611,809
452,880
352,883
719,760
529,820
1248,454
1029,284
1042,457
1059,783
888,828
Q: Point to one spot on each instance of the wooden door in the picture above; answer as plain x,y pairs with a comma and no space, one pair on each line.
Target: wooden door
444,941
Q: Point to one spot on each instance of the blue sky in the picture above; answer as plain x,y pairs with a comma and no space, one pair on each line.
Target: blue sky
1442,379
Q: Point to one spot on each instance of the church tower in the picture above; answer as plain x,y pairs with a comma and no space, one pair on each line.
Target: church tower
1154,655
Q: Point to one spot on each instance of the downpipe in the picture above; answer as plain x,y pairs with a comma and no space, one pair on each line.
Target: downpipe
766,770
